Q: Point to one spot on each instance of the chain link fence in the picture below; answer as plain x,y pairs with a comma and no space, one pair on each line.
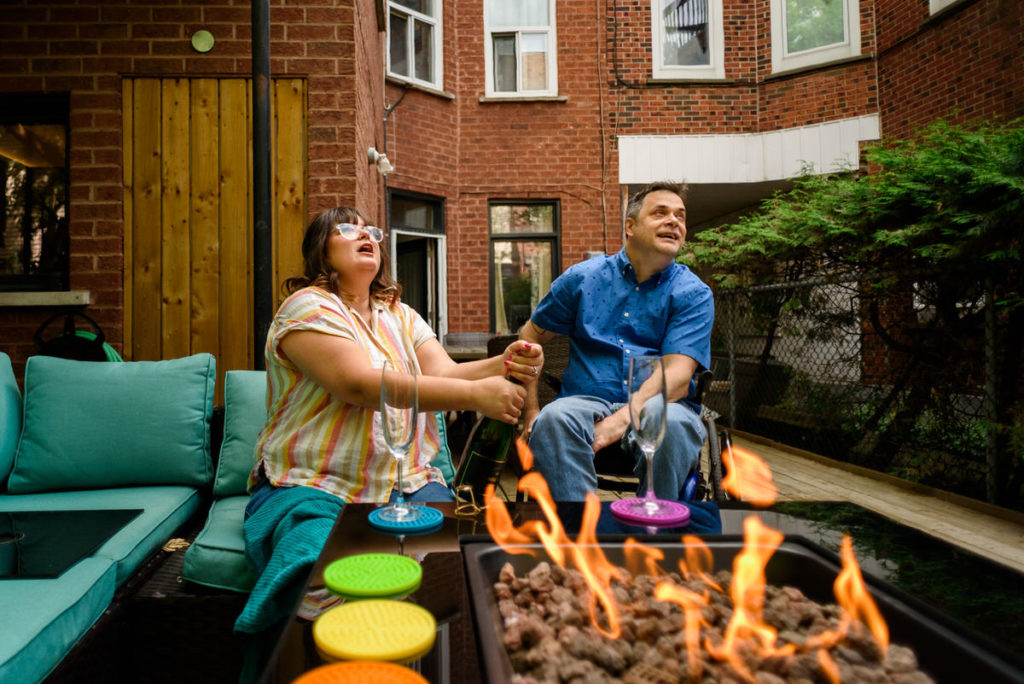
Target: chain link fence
806,365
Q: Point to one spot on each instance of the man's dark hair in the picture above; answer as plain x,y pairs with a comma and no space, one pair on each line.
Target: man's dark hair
637,200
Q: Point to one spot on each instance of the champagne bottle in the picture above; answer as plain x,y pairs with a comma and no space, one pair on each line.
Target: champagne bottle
484,457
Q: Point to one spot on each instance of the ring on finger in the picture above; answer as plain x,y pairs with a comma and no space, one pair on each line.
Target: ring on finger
533,370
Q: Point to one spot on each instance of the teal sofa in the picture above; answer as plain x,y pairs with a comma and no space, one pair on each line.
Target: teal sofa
91,436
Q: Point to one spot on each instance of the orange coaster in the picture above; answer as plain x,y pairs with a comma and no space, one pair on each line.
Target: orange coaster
360,672
375,629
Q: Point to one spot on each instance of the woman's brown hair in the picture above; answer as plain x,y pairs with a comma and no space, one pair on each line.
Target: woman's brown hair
318,271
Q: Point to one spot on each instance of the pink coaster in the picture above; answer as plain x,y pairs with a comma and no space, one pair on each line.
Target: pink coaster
632,511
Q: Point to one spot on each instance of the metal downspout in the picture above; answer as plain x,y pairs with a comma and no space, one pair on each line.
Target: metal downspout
262,239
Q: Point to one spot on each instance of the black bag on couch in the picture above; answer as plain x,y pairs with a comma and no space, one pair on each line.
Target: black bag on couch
71,343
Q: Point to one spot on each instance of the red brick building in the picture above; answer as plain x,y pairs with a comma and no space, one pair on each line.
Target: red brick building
514,132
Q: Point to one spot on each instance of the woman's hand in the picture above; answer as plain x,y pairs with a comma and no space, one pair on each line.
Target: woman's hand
499,399
523,361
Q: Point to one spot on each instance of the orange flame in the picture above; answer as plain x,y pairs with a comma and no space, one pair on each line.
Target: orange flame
747,593
749,478
853,597
692,604
525,455
499,524
642,559
828,666
553,536
699,560
597,571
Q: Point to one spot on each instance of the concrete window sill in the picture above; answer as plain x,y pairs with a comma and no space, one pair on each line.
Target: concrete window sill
70,298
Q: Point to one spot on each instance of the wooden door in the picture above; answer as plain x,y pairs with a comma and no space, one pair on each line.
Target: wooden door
188,213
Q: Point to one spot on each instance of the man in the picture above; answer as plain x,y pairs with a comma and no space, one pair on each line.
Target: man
637,302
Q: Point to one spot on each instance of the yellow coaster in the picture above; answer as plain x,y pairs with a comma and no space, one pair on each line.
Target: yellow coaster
375,629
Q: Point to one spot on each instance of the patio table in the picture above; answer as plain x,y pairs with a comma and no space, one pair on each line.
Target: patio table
981,596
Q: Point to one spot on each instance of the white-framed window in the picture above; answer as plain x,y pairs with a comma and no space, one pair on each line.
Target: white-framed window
687,40
419,254
519,48
414,42
524,258
809,32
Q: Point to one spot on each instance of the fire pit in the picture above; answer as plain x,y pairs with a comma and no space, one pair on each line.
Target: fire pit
945,650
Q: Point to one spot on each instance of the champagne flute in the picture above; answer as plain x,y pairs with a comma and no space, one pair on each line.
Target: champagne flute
399,419
647,415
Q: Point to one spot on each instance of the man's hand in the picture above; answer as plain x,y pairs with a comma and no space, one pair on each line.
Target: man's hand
534,335
610,429
529,415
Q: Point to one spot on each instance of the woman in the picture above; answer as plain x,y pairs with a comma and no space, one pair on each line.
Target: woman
325,349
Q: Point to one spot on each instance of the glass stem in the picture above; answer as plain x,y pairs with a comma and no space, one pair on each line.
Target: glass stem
400,500
649,455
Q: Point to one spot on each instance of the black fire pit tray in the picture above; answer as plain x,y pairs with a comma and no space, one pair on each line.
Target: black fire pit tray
947,650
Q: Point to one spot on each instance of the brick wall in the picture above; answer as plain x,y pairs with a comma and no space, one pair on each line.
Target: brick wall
963,65
468,151
914,68
86,47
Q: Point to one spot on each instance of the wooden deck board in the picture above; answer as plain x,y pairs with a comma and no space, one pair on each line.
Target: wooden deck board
799,478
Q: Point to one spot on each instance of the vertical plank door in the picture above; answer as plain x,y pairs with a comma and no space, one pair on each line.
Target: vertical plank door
188,213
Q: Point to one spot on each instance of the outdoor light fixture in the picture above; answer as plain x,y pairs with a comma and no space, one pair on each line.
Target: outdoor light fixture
384,166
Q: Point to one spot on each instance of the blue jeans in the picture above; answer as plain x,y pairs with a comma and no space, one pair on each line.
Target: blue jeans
563,433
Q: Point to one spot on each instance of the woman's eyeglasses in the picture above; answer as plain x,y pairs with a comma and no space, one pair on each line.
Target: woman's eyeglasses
351,231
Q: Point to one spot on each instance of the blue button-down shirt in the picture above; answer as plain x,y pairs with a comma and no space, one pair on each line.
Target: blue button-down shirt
610,317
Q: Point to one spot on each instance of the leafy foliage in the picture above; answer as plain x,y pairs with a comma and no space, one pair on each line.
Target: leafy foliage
951,200
933,234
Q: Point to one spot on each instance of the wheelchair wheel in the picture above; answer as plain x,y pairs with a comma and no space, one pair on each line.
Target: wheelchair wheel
715,470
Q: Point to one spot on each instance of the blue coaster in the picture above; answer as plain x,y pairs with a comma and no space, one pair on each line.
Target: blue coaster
430,520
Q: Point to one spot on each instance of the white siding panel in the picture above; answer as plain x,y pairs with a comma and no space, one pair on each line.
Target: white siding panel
832,153
772,156
747,157
755,161
870,127
791,152
660,157
810,148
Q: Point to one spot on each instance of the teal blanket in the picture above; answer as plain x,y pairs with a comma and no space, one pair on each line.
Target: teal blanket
283,539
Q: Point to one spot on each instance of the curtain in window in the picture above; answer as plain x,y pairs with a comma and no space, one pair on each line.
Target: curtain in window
502,13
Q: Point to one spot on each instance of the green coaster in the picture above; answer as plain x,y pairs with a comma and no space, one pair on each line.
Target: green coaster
373,575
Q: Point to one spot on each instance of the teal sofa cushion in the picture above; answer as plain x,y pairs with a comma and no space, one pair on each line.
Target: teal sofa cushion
217,556
443,460
51,615
164,510
91,425
245,412
10,417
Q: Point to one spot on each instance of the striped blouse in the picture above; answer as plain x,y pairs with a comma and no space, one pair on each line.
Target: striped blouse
312,438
